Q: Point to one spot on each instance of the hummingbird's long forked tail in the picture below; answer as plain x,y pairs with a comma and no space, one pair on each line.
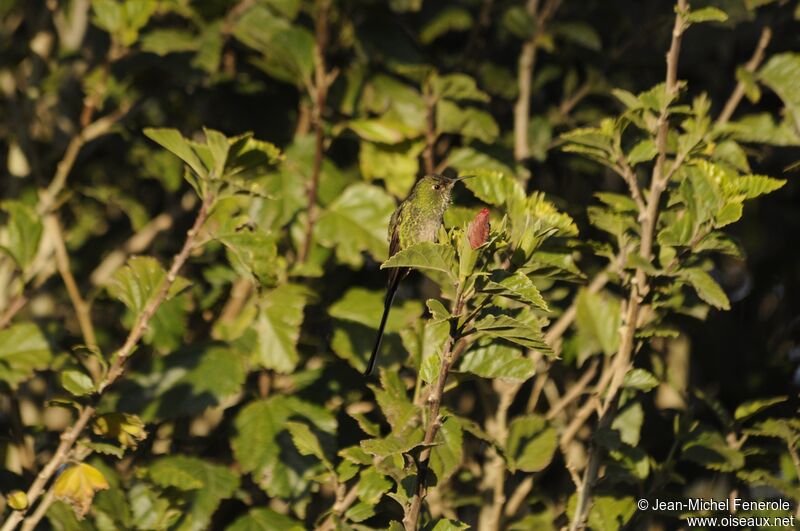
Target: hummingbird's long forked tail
387,306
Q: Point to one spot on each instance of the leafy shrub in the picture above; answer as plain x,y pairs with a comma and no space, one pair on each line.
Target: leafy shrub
185,311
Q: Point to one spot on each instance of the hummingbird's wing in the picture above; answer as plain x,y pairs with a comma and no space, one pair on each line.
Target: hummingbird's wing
394,229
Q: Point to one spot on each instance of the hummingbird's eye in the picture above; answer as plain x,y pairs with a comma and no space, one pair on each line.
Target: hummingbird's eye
436,186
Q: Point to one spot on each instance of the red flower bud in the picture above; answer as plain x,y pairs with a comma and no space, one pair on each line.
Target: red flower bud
478,229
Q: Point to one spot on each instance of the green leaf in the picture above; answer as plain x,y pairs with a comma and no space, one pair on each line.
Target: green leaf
579,33
643,151
263,519
448,451
598,319
457,87
706,14
251,252
287,50
781,74
23,350
356,222
205,486
444,524
498,361
166,41
372,485
752,186
610,512
140,281
706,287
515,331
517,287
467,121
277,327
531,443
396,164
77,383
450,18
305,440
173,141
188,382
640,379
753,407
385,130
393,444
709,449
426,256
23,232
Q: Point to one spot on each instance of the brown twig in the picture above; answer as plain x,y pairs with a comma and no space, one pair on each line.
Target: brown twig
71,435
639,287
322,82
527,63
751,66
16,304
339,507
82,310
450,353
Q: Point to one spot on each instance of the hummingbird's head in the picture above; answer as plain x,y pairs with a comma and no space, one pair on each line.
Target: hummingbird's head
434,190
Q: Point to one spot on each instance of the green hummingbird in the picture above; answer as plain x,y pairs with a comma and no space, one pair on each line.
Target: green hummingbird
417,219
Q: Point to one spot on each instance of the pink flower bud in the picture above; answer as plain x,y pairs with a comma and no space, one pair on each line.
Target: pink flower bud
478,229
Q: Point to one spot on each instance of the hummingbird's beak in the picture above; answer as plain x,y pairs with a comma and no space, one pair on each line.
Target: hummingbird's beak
465,177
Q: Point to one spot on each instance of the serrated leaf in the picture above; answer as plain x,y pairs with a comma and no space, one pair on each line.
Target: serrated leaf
77,486
372,485
448,451
355,222
498,361
287,50
467,121
277,327
77,383
206,486
23,350
425,256
781,74
706,14
643,151
127,429
516,286
753,407
458,87
709,449
23,232
640,379
263,519
139,281
393,444
305,440
450,18
510,329
706,287
598,319
104,448
175,143
752,186
531,443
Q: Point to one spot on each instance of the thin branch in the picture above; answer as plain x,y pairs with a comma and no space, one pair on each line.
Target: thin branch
339,507
322,82
16,304
450,353
639,285
573,392
71,435
751,66
627,173
82,310
527,63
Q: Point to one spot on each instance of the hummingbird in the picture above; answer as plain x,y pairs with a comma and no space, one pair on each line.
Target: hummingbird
416,220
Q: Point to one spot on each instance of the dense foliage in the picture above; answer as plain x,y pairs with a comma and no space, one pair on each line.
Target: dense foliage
195,200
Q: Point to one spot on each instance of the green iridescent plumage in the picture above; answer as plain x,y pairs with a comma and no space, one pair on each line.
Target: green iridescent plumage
417,219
